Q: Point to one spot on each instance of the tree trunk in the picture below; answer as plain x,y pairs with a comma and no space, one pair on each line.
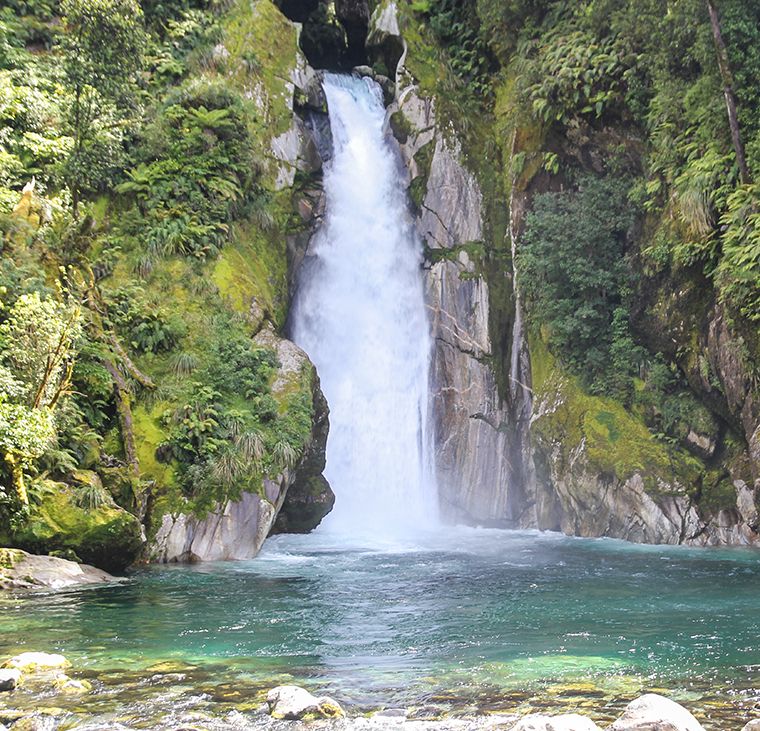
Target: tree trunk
17,474
728,92
124,409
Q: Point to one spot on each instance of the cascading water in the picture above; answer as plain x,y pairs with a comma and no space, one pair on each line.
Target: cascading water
360,315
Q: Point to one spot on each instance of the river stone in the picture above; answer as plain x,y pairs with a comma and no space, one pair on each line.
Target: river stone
9,679
71,686
33,662
652,712
566,722
34,723
290,702
753,725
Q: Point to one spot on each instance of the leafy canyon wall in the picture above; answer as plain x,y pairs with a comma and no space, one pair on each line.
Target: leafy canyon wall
154,410
591,266
635,414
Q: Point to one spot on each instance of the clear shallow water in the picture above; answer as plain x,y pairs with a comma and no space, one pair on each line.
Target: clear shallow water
468,620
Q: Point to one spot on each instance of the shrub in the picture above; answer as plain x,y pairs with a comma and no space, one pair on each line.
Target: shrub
573,273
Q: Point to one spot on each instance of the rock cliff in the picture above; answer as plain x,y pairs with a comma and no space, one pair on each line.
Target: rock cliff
520,443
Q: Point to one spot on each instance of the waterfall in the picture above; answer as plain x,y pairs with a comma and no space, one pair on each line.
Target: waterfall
359,313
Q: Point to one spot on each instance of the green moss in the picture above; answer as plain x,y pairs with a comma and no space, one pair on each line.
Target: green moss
108,536
616,442
9,557
254,266
424,159
400,126
263,47
148,435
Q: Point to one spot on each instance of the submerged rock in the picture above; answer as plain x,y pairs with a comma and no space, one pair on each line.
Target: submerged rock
22,570
291,702
34,723
566,722
71,686
654,712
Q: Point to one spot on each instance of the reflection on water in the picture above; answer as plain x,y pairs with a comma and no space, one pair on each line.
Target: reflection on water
503,620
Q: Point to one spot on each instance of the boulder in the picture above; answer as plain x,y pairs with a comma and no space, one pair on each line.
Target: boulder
107,536
71,686
9,678
753,725
652,712
566,722
290,702
34,723
22,570
35,662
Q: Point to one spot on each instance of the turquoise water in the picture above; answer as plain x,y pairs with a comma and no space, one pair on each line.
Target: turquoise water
463,620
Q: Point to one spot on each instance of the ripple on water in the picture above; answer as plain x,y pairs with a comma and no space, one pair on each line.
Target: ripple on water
507,621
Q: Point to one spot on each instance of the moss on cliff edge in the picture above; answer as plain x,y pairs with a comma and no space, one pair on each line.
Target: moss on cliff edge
573,424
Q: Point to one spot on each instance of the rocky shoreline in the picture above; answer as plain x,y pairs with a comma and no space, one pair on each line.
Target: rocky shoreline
28,679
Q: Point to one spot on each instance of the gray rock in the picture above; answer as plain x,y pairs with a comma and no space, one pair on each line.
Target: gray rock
291,702
364,71
235,530
474,453
9,679
566,722
295,150
753,725
22,570
34,662
652,712
384,40
34,723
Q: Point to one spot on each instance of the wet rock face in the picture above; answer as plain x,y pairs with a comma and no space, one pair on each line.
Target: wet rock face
471,425
310,498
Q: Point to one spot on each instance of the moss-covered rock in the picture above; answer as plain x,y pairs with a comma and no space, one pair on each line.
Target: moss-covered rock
107,537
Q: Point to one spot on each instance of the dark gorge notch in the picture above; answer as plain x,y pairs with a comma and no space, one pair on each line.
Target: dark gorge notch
334,34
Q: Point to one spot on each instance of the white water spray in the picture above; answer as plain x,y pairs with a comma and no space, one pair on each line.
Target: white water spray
360,315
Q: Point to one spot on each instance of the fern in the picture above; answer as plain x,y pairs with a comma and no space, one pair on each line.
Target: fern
284,454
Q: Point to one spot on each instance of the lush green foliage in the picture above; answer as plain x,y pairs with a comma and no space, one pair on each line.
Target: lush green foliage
196,170
38,341
574,276
102,53
145,150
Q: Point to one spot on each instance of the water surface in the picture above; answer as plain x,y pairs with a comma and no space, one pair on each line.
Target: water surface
461,620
